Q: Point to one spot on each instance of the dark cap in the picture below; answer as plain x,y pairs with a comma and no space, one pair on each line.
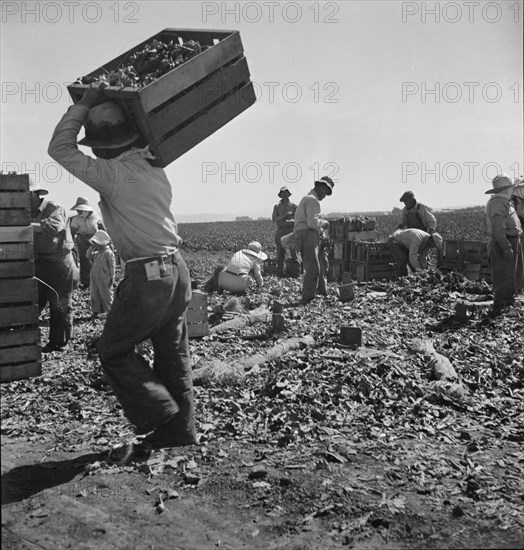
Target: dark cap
407,195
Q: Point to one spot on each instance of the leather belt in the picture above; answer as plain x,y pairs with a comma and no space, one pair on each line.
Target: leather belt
165,258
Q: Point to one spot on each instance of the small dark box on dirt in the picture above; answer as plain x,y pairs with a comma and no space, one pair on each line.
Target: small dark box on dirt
192,101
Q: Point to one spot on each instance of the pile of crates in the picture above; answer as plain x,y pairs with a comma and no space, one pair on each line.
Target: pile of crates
197,316
344,233
20,353
371,260
465,256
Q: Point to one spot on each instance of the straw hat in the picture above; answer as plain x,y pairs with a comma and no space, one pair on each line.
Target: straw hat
82,204
101,238
254,248
284,190
328,182
500,183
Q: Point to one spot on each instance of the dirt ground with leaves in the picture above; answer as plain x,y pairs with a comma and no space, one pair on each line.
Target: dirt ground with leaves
324,447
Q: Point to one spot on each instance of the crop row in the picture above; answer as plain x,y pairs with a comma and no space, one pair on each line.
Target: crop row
216,236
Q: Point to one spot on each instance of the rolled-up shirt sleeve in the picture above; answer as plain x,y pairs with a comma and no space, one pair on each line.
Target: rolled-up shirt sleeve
97,173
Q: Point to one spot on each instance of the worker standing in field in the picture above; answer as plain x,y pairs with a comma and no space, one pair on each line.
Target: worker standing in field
517,198
55,268
504,252
151,300
411,247
284,217
83,226
308,228
416,215
102,272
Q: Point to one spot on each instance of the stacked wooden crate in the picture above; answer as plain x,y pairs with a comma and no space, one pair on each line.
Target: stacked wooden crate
192,101
468,257
20,354
343,232
196,315
371,260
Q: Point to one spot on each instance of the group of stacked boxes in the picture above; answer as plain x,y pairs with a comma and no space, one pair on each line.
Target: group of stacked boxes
19,330
465,256
355,255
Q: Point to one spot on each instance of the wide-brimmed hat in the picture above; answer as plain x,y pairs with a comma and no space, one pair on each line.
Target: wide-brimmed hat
438,240
255,249
35,188
82,204
284,190
106,127
328,182
407,195
101,238
500,183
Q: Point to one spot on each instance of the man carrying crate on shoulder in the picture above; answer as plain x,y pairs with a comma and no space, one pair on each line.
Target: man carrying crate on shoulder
151,301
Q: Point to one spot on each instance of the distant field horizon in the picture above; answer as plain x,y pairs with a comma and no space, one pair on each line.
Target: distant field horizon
210,217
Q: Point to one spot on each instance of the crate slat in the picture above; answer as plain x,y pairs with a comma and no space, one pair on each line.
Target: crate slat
16,251
19,372
18,315
16,234
205,125
15,199
13,291
196,315
19,337
198,330
15,217
198,98
17,269
14,182
20,354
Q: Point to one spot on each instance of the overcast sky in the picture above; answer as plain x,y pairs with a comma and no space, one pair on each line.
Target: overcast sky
383,96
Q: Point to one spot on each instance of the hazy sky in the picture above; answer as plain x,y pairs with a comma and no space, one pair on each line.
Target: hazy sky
383,96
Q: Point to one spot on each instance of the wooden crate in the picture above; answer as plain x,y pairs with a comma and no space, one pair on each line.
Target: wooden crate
456,252
196,315
369,236
15,201
20,355
341,227
364,272
370,253
270,267
183,107
336,270
341,250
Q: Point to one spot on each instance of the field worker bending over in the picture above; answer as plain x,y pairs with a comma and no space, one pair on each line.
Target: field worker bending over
136,201
410,246
102,272
308,229
416,215
243,267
